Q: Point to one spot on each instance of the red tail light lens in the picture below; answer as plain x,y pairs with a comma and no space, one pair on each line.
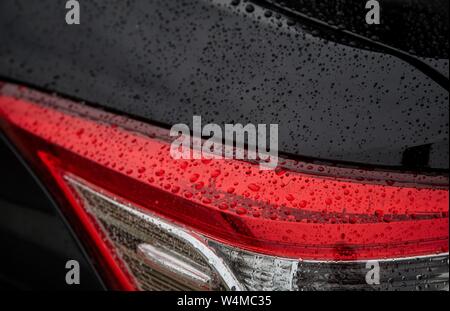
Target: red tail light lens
119,184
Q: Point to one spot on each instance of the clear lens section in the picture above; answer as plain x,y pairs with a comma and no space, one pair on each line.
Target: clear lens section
260,272
159,255
172,264
163,256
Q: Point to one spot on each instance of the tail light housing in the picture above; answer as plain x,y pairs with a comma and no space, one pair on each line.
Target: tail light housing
151,222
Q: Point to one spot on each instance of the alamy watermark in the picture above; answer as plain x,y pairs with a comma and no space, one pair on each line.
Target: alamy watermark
235,141
73,13
373,15
373,275
73,273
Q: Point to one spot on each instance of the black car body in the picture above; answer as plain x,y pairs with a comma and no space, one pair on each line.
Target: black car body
344,93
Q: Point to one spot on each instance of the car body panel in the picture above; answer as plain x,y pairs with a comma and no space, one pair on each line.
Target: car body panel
169,60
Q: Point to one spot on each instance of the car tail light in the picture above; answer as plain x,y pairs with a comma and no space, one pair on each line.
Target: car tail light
155,223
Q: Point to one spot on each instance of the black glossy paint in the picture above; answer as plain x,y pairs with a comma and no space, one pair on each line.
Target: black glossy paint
419,27
168,60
